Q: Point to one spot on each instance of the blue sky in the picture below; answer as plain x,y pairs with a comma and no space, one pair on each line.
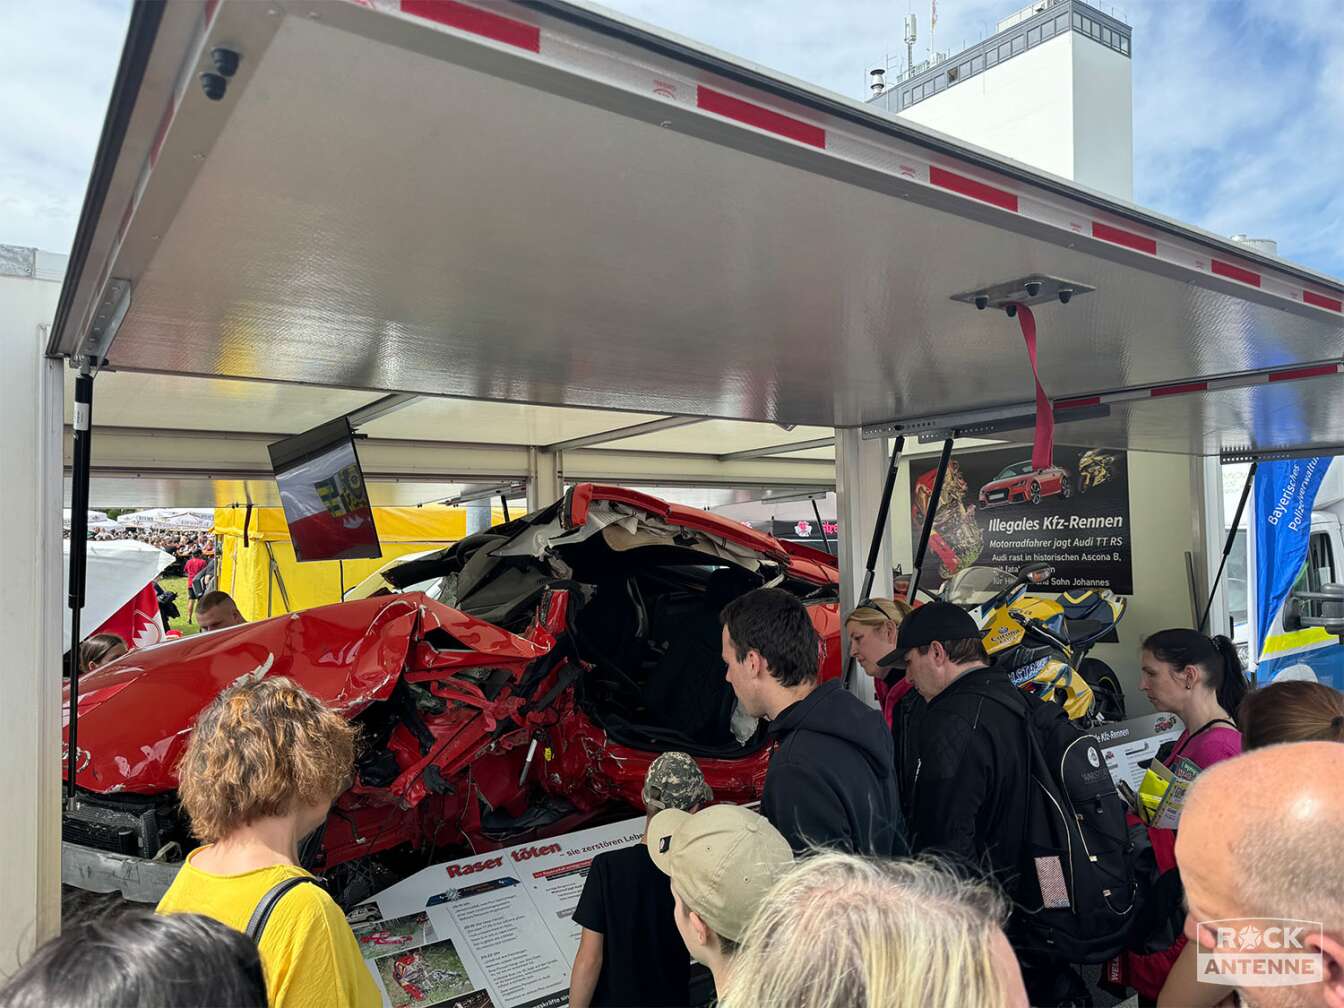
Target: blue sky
1238,106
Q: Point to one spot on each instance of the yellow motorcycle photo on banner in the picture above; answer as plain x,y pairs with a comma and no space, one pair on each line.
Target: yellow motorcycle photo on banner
1042,643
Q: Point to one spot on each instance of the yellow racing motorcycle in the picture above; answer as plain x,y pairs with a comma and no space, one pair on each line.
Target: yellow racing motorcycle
1043,642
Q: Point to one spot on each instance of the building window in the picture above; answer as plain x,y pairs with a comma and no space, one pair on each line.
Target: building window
977,64
1048,29
1062,22
1124,45
1005,51
905,100
1109,36
991,57
1019,44
964,71
1077,20
1034,36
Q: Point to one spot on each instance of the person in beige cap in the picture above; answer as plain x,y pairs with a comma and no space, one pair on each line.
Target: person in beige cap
722,861
630,952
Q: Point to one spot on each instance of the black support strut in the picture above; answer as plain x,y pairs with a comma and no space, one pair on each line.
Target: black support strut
879,531
79,549
1227,545
931,512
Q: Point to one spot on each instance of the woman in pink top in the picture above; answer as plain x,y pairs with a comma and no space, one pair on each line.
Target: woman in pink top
1200,680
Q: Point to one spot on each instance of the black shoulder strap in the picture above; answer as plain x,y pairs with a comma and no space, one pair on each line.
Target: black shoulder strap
1201,730
262,914
1018,706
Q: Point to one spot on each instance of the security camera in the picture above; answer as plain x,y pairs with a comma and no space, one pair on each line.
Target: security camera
225,60
1011,310
981,301
214,86
1033,288
1065,295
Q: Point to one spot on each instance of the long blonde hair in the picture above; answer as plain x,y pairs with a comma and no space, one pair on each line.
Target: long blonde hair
840,931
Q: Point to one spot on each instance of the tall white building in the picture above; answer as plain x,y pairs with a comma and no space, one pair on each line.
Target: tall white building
1051,88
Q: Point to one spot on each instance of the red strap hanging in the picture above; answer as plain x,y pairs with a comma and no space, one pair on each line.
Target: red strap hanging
1043,451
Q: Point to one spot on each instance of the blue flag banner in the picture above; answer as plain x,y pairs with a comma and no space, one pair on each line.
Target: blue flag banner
1285,492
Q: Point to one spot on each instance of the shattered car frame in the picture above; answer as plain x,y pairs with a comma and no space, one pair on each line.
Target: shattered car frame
513,686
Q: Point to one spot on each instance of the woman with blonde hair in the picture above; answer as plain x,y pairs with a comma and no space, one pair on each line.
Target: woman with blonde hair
264,764
839,931
871,629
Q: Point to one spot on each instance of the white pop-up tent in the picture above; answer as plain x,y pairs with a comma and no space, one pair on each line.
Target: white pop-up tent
98,520
117,572
176,519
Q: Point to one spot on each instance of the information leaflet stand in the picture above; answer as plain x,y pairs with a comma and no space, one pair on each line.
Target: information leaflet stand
488,931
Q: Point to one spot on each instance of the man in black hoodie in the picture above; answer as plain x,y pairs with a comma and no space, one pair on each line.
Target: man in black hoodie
970,789
831,782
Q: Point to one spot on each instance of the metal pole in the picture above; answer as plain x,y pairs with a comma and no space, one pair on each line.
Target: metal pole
504,502
79,547
879,531
279,581
1227,546
820,527
929,514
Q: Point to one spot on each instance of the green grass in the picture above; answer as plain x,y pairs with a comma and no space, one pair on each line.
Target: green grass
183,625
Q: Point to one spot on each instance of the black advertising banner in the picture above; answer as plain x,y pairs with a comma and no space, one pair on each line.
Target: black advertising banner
998,511
804,530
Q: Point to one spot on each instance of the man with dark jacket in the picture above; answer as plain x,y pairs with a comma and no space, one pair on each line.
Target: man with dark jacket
831,782
970,788
970,791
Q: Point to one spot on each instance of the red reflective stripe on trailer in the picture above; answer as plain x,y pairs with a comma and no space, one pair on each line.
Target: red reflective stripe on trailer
1167,390
1118,236
762,118
1234,272
970,187
162,134
1306,372
477,21
1068,404
1321,301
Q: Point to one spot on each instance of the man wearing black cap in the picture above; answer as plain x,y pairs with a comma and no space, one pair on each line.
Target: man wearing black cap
971,778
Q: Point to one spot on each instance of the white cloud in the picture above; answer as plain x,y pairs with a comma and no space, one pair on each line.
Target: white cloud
1238,112
60,58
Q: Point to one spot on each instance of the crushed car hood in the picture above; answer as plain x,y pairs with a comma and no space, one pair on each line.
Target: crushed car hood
136,713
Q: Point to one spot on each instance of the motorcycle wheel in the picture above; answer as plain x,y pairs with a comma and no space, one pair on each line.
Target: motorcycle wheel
1106,688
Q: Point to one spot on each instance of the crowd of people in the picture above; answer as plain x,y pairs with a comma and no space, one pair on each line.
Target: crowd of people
885,866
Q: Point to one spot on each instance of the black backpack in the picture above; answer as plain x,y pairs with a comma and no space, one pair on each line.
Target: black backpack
1077,888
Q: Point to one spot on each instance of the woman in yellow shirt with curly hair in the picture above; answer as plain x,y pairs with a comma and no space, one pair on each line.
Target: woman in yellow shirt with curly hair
264,764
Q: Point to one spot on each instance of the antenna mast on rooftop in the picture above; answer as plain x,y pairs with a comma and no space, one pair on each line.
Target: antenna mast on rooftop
910,34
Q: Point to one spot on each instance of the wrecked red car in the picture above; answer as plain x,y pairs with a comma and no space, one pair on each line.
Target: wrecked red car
511,687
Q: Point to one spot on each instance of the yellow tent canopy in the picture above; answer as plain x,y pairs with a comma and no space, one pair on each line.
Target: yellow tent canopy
265,579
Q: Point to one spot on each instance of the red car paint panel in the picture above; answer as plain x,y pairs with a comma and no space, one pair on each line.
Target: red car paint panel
470,754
